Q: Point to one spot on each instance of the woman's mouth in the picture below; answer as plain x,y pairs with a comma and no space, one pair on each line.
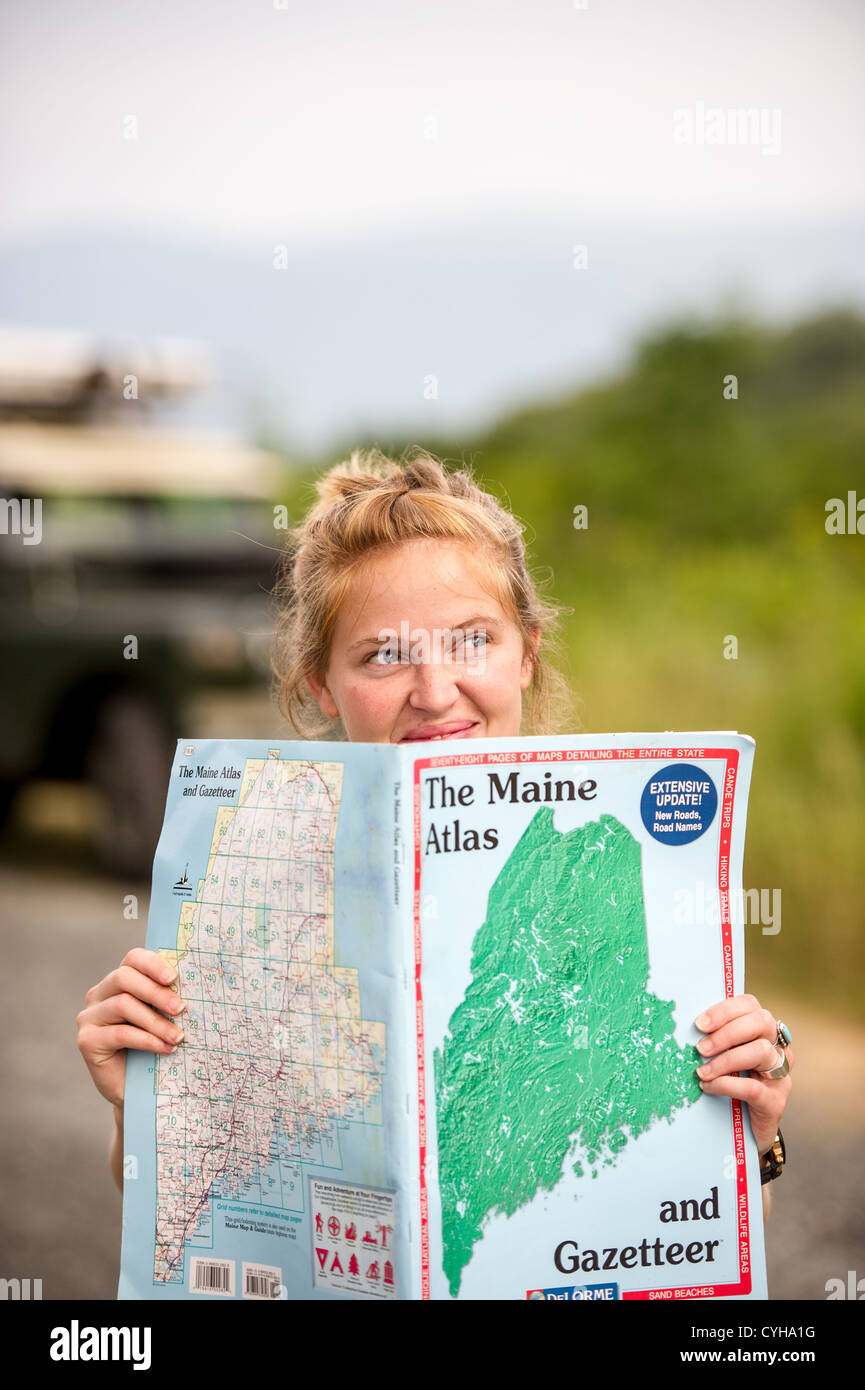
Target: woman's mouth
432,733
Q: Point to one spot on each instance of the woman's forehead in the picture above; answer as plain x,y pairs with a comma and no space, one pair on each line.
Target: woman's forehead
416,572
423,557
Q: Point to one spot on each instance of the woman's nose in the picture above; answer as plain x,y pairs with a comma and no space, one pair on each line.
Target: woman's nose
434,684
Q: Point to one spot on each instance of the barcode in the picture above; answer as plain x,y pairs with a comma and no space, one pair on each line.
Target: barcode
212,1276
262,1281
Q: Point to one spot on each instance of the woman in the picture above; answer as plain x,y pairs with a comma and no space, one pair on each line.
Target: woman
390,548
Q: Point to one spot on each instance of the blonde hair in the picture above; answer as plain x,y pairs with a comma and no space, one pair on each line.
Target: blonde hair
372,501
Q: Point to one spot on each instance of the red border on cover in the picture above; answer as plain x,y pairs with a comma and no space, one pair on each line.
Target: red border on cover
731,759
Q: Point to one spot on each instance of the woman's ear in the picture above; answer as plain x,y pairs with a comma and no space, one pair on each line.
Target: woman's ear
323,697
528,665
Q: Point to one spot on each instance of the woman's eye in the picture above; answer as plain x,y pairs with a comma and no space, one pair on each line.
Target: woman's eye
385,656
474,641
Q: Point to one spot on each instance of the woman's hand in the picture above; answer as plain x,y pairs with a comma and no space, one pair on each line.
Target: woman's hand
740,1036
123,1011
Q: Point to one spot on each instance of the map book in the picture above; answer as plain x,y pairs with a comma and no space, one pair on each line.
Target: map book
440,1035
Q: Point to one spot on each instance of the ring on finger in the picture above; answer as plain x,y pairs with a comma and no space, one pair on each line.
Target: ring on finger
782,1042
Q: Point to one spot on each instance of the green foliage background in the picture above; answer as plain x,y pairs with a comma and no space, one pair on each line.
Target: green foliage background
707,518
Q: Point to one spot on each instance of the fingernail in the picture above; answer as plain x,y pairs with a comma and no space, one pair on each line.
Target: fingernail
178,1034
704,1046
702,1022
701,1071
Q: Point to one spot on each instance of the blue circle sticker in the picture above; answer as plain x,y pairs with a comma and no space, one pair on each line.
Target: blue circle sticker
678,803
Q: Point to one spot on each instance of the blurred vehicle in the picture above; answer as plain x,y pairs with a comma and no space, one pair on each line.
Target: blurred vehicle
135,568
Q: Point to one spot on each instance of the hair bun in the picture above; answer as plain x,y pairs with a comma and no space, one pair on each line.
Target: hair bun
370,471
423,473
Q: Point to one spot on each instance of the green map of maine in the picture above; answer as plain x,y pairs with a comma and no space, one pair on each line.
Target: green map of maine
557,1049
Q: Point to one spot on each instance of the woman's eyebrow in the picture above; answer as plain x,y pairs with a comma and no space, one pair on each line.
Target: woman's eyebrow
478,618
377,641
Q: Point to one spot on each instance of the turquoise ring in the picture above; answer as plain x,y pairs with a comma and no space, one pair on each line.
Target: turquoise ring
782,1041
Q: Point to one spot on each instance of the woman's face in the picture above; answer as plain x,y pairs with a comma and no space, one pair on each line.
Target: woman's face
420,650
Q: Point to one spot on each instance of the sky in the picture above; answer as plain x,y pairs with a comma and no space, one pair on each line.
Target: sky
421,168
288,123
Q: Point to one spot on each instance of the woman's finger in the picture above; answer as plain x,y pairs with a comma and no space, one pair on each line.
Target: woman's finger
128,979
727,1009
759,1055
757,1023
150,963
125,1008
746,1088
104,1042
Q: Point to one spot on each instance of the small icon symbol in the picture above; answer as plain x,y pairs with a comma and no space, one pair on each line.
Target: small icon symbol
334,1226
